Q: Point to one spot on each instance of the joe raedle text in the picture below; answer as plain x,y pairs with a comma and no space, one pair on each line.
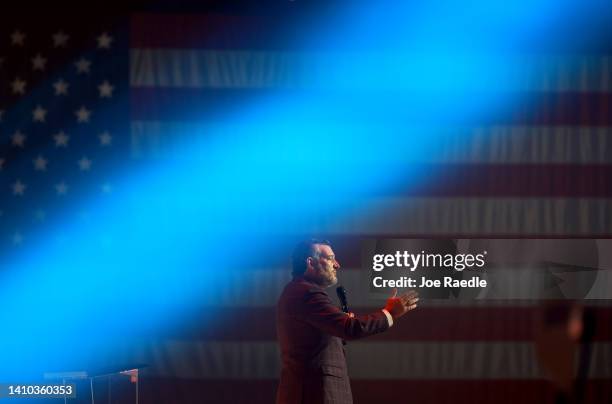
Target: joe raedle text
405,269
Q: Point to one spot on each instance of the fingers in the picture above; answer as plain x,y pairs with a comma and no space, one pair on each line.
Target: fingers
398,305
409,300
411,294
410,297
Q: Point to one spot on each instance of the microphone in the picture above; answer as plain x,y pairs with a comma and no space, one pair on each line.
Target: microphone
341,292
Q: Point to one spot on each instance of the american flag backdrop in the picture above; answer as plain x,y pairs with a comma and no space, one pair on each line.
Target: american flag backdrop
80,102
64,119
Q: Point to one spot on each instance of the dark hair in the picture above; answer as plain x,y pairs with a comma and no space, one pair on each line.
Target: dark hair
303,250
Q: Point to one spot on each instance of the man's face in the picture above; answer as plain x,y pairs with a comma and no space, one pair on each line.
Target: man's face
322,266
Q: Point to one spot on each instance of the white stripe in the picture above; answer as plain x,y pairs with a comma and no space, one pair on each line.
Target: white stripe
214,69
257,69
485,145
366,360
476,216
527,145
511,287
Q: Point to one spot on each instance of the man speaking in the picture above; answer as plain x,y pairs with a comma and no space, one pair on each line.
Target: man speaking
311,329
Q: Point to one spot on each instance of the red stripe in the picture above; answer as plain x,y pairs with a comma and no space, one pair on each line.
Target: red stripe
169,390
513,180
210,31
469,391
169,103
284,25
434,324
348,247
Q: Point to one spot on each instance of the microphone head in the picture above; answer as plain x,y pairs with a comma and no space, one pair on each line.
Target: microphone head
341,292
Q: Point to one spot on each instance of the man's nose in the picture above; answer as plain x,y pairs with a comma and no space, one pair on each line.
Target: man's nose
336,264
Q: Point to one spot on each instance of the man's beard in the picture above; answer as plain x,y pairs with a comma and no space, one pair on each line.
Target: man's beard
329,279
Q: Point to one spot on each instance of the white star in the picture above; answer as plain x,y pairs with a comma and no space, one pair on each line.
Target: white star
107,188
17,38
61,140
60,39
84,164
105,139
106,90
82,114
104,41
61,87
17,238
18,86
39,114
83,65
38,62
18,139
61,188
19,188
40,163
40,215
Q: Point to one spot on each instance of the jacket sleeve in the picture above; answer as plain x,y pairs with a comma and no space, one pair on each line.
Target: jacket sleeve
320,312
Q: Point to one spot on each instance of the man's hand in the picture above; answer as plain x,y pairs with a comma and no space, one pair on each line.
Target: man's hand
398,306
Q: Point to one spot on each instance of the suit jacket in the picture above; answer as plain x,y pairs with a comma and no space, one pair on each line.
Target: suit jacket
310,330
